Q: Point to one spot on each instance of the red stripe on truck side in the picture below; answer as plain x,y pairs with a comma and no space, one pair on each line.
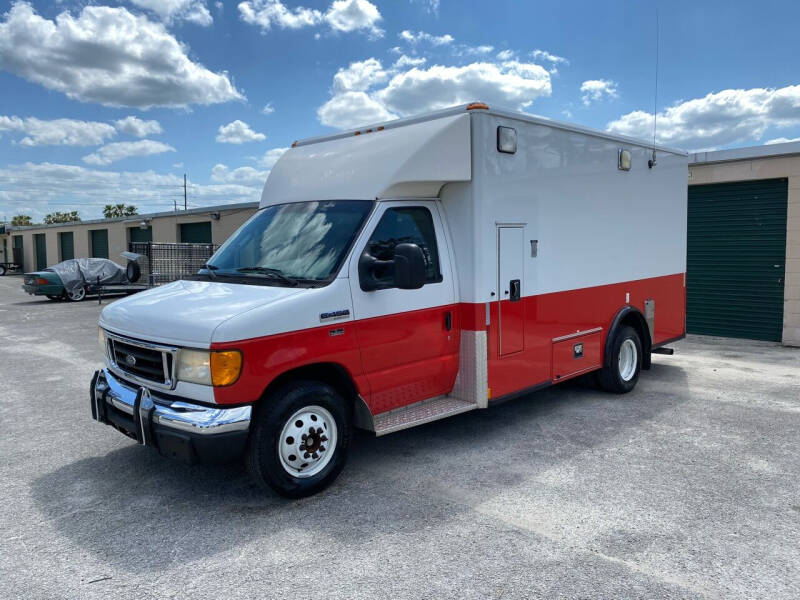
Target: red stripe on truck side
550,316
406,357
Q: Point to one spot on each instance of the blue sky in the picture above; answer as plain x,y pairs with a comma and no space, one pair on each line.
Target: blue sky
106,102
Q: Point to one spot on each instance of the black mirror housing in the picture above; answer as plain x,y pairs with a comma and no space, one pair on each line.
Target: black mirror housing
409,267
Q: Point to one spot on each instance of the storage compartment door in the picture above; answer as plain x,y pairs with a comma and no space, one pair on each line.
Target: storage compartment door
574,355
511,253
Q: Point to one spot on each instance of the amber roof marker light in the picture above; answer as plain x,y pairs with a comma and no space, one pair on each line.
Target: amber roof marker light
477,105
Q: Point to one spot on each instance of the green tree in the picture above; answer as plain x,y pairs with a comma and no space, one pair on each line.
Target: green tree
119,210
62,217
21,220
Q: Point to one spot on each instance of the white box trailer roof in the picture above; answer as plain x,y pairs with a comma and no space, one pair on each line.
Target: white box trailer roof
590,222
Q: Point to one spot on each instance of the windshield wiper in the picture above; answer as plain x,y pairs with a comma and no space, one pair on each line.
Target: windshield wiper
211,269
275,273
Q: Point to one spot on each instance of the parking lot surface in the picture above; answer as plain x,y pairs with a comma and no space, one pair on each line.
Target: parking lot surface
687,487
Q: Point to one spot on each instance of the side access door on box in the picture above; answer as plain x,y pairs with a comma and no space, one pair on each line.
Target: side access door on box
408,339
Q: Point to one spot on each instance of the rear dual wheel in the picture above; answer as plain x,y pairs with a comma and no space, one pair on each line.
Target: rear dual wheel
625,362
299,439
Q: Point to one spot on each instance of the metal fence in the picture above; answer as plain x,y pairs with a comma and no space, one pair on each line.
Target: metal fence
165,262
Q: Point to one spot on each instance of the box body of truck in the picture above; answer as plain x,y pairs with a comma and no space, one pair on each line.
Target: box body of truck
486,254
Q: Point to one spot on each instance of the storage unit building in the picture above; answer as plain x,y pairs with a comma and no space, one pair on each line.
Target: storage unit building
743,248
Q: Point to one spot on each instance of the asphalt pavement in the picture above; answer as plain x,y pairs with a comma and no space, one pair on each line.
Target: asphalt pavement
688,487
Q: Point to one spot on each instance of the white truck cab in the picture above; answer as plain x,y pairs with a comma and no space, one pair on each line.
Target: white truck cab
399,274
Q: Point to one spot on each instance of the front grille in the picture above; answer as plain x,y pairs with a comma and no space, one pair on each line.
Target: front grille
149,364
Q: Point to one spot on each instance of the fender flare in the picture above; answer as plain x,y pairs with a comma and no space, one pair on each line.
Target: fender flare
629,313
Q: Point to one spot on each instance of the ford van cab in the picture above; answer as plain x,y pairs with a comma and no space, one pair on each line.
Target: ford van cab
400,274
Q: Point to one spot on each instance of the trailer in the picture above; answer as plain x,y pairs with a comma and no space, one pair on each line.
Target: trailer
402,273
5,267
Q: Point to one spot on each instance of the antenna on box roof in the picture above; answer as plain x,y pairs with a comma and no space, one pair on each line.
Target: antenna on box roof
652,162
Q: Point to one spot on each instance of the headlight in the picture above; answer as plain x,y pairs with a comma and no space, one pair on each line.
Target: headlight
102,342
209,368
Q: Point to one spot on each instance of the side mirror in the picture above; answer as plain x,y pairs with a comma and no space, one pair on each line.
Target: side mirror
409,267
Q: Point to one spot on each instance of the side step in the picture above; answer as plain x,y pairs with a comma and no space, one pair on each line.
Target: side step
419,413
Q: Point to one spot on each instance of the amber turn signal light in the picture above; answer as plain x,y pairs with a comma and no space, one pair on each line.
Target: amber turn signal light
226,366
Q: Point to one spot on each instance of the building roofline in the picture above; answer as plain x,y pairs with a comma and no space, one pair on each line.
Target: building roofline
748,153
136,218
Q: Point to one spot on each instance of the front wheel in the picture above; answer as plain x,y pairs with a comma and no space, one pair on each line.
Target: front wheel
78,294
2,270
299,439
625,363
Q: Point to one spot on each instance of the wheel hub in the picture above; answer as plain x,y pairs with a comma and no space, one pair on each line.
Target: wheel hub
307,442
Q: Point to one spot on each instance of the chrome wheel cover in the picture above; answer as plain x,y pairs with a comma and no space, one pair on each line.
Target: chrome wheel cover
307,442
77,294
628,357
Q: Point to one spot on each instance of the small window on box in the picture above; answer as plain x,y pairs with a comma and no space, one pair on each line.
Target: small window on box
506,140
624,160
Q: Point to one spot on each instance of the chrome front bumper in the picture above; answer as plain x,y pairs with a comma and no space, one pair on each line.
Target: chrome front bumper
175,427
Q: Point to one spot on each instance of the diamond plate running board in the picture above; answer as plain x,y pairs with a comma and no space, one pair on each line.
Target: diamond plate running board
419,413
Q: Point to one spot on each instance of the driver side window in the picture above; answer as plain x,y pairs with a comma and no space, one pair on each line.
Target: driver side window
400,225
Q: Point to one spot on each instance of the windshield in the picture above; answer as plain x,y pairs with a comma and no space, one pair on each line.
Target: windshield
293,243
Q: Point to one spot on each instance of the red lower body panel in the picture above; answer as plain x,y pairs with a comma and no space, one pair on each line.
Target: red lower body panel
403,358
550,316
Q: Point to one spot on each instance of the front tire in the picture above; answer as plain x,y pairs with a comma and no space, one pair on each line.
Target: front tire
299,439
2,270
625,362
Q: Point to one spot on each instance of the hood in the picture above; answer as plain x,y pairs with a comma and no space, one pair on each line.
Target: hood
186,313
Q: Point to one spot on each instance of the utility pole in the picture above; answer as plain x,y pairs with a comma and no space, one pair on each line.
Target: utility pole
184,191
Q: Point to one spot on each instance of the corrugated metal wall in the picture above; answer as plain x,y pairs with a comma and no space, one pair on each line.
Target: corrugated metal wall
736,259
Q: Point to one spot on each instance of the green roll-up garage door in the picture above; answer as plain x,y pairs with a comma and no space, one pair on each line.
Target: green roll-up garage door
66,244
99,243
736,254
40,247
196,233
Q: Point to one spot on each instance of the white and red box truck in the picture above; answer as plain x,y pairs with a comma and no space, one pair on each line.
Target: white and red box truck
399,274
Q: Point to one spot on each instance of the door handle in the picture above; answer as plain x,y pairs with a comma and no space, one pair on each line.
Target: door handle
448,320
515,290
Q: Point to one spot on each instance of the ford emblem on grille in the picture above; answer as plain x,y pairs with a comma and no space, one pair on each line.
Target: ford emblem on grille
130,359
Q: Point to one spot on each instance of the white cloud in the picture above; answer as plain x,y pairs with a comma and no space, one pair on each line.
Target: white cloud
40,188
547,56
107,55
113,152
408,61
268,109
782,140
194,11
57,132
238,132
348,110
717,119
138,127
506,54
431,6
342,15
510,83
593,90
359,76
242,175
418,90
271,156
354,15
421,36
466,50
